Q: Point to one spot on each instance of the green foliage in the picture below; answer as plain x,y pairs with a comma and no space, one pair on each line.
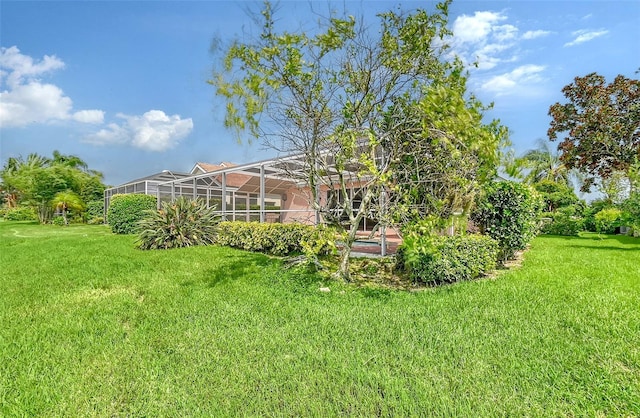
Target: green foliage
598,126
36,180
58,220
182,223
127,210
21,213
66,201
95,209
444,259
508,212
590,211
564,221
555,195
631,212
399,94
607,220
276,238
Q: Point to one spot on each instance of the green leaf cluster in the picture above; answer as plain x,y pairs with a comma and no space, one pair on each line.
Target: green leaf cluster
181,223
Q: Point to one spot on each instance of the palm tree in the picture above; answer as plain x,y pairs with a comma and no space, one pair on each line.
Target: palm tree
544,164
65,201
72,161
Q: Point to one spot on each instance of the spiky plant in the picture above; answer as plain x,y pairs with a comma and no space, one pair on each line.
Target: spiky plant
182,223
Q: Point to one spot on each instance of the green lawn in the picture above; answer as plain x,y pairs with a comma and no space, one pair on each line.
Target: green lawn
93,327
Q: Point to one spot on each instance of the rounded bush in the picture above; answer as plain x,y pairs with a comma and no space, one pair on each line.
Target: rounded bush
564,222
126,210
508,212
607,220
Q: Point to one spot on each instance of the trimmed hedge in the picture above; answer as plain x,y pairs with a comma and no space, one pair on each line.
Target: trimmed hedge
127,210
508,212
445,259
275,238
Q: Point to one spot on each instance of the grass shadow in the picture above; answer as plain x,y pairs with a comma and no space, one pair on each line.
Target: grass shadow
235,267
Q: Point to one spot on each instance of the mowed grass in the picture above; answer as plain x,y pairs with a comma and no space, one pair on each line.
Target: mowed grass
90,326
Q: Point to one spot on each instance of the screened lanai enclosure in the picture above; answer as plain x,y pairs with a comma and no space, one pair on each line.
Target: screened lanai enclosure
263,191
266,191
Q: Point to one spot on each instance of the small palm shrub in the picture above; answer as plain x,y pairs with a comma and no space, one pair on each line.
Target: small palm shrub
182,223
126,210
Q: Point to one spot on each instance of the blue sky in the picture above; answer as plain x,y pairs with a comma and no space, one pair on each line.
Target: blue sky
123,84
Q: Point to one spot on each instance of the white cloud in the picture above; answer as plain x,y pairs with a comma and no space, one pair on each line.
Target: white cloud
533,34
582,36
89,116
24,99
477,28
21,67
152,131
522,80
487,39
483,38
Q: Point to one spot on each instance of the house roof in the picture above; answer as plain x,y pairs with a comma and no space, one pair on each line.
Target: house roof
233,179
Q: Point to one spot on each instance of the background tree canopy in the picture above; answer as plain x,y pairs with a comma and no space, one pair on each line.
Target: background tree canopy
599,126
37,180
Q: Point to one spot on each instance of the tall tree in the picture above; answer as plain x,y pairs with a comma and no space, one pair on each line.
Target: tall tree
599,126
344,99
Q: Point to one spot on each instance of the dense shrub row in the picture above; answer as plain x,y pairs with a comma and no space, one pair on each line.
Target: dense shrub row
182,223
275,238
447,259
127,210
21,213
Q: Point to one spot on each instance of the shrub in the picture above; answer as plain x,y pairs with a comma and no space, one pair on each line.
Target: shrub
444,259
95,209
508,212
564,222
631,213
21,213
607,220
590,213
126,210
182,223
58,220
276,238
